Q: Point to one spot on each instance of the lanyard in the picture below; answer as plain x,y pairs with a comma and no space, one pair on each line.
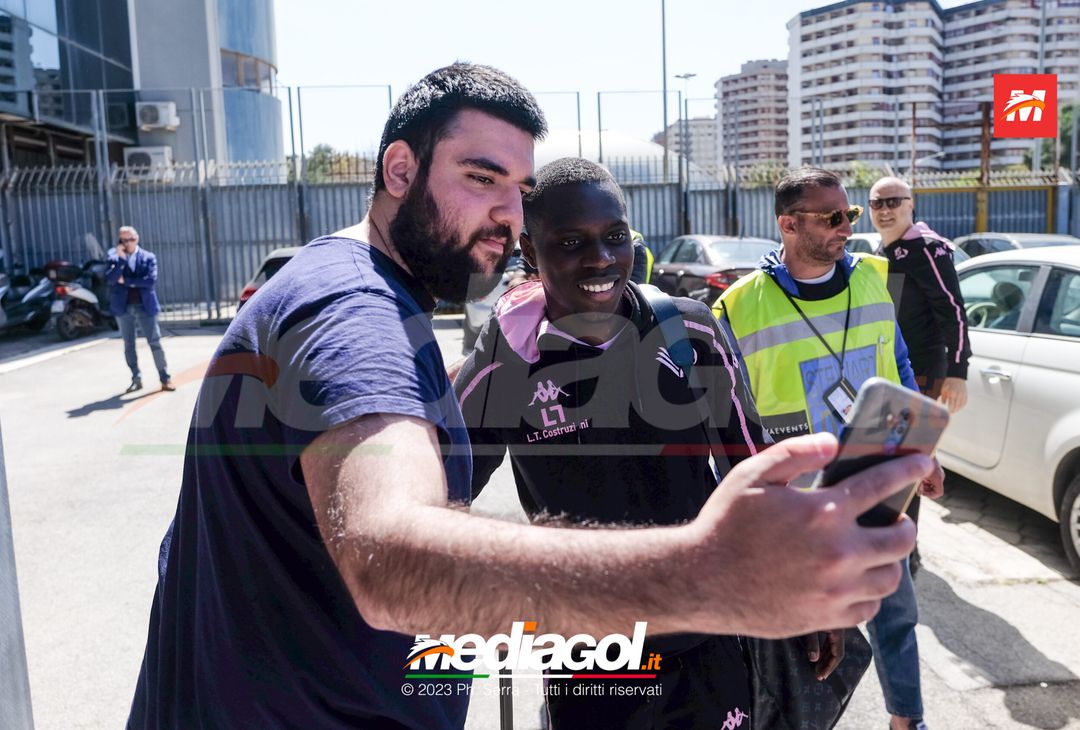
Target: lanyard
847,321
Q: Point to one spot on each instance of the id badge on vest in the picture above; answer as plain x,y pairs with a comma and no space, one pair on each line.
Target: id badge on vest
841,399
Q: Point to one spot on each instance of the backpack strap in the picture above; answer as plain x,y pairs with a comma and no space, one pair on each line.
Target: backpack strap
669,320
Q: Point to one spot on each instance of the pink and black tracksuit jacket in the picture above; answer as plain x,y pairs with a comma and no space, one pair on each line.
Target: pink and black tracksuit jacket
929,307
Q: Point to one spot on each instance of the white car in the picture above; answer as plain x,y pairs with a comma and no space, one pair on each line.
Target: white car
871,243
1020,432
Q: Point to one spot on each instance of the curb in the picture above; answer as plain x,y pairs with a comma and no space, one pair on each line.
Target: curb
18,362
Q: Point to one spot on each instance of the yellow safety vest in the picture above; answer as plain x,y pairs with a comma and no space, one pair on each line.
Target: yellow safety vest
649,257
788,366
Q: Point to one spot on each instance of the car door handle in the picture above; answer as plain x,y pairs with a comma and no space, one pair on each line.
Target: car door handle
995,373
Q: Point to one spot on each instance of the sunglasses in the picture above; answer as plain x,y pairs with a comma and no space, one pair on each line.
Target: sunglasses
836,217
128,240
879,203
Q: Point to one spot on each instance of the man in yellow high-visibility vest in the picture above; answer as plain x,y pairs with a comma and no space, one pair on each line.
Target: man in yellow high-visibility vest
811,324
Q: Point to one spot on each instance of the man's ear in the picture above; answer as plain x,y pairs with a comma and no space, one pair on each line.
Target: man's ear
787,224
399,168
528,251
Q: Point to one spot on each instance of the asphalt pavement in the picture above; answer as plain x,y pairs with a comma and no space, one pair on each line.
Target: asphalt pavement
94,473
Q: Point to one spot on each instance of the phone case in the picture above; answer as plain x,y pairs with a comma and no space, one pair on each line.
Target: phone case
887,421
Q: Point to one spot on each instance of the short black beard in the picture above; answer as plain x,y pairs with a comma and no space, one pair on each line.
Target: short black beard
434,252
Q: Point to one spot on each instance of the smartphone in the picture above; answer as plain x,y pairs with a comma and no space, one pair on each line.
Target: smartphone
887,421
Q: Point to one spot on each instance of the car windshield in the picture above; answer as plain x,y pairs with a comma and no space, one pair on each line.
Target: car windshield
269,268
742,251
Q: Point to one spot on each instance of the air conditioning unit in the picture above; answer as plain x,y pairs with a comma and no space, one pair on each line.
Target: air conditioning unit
157,115
149,163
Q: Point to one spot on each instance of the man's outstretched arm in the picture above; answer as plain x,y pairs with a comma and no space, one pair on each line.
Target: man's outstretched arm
760,559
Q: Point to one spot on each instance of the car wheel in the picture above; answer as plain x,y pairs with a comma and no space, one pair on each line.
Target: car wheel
1070,523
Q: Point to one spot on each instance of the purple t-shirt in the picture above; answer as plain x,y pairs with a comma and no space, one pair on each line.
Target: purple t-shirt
251,624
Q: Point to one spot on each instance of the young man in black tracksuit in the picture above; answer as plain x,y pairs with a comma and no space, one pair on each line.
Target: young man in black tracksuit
573,377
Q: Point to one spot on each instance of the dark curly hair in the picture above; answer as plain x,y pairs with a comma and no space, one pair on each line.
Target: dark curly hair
424,113
565,171
790,189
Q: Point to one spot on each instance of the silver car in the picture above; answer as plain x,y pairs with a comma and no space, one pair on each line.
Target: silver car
1020,432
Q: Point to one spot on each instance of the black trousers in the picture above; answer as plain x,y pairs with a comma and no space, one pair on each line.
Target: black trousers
929,375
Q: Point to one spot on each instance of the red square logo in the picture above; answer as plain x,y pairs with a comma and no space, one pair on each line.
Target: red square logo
1025,105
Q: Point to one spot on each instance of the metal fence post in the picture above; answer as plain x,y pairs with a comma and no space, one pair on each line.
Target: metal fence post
7,230
101,166
213,304
105,167
301,203
15,710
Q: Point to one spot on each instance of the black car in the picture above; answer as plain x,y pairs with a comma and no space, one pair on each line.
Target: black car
702,267
269,266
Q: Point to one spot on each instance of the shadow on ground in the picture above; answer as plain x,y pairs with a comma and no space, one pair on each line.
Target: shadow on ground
111,403
1038,536
1038,691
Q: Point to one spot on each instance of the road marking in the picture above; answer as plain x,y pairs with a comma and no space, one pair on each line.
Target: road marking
18,362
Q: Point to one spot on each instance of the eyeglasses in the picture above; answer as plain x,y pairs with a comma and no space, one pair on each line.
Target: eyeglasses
879,203
834,218
128,240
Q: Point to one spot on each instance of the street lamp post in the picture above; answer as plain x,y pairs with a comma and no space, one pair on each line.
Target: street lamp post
663,76
684,156
915,164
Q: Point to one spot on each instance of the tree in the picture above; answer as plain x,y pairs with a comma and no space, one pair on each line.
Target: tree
1069,115
319,165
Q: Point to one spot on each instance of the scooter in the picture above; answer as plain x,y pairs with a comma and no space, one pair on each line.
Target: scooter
24,302
79,293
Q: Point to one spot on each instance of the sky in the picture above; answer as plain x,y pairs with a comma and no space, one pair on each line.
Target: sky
552,47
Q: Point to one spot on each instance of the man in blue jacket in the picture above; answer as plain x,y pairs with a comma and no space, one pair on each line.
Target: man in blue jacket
131,275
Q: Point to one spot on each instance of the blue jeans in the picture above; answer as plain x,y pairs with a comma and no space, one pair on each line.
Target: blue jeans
896,652
148,325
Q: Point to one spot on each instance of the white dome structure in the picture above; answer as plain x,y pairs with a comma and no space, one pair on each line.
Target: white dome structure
630,159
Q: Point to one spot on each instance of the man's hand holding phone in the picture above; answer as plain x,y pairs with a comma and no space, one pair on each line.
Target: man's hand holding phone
797,561
889,421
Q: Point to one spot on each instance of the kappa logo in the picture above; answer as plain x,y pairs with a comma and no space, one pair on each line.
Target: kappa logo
1025,105
547,393
664,358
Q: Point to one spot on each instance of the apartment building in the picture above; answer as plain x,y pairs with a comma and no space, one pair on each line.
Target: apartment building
895,81
752,114
699,137
855,68
1002,36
